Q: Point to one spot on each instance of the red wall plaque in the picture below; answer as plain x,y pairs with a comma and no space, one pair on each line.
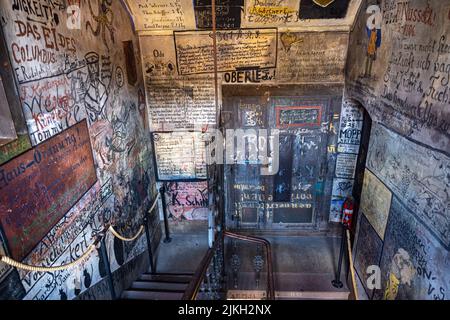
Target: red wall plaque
38,187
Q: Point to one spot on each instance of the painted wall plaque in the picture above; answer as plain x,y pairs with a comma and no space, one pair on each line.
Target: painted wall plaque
228,13
38,187
238,50
162,14
375,202
180,156
304,116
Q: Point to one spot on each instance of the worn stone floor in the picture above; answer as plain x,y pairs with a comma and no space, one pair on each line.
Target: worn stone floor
187,248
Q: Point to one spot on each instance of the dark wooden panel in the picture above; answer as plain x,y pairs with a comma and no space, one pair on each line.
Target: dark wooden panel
40,186
291,117
249,215
228,14
335,10
292,215
282,190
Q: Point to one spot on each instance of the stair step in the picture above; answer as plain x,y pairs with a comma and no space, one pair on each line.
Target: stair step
166,286
175,278
151,295
287,295
170,274
290,282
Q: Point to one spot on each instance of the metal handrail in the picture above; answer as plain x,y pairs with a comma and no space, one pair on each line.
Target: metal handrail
193,288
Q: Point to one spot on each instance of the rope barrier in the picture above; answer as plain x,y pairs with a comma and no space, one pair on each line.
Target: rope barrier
9,261
155,202
118,236
26,267
141,229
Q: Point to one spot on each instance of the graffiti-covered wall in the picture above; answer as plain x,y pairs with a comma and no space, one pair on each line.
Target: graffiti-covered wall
399,73
75,64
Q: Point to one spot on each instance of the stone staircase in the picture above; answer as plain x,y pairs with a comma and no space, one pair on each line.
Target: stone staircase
161,286
290,286
303,270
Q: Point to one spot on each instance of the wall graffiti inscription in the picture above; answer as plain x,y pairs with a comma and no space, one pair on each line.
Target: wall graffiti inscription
271,13
414,266
288,117
312,57
187,200
400,68
346,165
180,155
243,48
417,174
181,105
351,126
162,14
40,186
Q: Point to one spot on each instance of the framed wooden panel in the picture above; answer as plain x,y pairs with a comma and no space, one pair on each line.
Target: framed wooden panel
38,187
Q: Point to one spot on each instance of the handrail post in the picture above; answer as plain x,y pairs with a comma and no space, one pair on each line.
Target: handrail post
271,287
162,190
337,283
107,265
149,244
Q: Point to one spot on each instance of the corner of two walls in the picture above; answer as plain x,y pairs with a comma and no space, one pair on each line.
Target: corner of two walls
68,71
399,72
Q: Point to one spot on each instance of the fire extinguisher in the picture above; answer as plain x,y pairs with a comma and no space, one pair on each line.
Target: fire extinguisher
347,213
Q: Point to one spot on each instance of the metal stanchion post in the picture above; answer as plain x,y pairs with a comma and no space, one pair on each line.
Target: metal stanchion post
337,283
104,254
149,245
162,190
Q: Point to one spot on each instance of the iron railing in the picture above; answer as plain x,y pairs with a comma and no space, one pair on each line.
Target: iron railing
208,278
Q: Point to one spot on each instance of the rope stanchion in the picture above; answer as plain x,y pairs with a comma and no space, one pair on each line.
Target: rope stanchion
118,236
22,266
11,262
155,202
